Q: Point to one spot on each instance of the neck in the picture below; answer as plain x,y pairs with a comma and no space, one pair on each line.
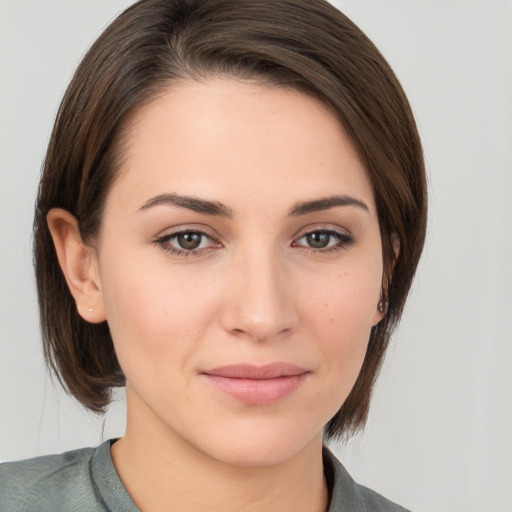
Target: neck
163,472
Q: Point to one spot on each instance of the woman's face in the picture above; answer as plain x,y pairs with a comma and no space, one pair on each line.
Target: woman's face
240,269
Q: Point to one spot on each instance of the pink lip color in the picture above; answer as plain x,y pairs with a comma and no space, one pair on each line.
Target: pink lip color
257,385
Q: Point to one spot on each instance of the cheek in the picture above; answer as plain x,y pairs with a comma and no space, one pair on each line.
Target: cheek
346,300
155,316
342,313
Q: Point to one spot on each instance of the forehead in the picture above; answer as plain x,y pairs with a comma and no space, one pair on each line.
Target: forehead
228,139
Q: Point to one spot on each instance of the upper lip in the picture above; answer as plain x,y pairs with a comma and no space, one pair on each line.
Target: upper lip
251,371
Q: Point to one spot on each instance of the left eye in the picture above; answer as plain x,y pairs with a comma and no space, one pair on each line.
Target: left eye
189,240
324,240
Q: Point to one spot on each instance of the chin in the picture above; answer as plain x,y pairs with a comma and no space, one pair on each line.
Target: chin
263,444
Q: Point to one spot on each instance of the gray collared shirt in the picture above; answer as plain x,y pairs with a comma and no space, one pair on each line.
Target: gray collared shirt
86,480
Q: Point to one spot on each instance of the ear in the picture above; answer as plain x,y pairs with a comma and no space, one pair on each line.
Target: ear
382,305
78,263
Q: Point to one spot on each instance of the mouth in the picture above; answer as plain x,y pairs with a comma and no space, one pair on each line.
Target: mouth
257,385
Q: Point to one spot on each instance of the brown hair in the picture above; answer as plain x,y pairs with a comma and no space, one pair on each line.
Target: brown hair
303,44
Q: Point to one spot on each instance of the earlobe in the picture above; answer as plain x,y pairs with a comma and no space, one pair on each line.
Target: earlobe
381,309
78,263
382,305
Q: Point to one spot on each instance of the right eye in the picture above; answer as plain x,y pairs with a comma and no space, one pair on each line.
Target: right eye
186,242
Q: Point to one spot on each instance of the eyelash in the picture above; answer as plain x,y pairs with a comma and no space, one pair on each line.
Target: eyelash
344,240
163,243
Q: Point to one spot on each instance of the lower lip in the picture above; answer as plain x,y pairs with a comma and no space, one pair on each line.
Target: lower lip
258,391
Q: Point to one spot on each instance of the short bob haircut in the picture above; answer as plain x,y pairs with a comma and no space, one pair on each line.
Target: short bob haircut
307,45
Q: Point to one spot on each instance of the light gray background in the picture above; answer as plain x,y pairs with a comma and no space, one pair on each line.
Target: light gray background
440,432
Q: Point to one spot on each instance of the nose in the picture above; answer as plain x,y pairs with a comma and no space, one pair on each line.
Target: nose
260,301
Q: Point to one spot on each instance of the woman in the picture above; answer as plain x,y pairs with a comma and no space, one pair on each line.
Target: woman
230,216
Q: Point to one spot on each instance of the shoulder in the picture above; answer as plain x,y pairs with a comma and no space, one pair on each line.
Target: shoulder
349,496
377,502
49,483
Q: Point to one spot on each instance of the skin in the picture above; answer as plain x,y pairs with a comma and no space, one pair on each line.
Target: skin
254,292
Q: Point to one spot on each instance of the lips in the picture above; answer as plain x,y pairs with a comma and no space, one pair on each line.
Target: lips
257,385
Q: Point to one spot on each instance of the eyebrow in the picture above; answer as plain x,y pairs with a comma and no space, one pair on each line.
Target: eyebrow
318,205
219,209
191,203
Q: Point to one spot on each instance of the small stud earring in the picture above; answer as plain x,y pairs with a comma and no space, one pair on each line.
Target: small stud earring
90,309
382,306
